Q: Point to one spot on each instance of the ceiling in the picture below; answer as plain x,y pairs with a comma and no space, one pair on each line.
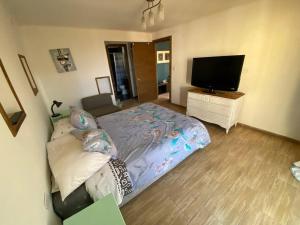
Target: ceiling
111,14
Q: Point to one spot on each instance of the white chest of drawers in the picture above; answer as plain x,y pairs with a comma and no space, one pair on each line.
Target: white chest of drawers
221,108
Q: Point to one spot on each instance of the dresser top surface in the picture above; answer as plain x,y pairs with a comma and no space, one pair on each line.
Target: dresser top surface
222,94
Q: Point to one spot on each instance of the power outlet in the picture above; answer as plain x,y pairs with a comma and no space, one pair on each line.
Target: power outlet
47,200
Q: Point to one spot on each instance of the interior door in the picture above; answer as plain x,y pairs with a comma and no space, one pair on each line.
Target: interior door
144,60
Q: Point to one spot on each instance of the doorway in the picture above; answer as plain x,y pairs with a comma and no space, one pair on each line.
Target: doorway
163,51
122,72
134,66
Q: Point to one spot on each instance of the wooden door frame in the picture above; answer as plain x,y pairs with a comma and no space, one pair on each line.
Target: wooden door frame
107,45
168,38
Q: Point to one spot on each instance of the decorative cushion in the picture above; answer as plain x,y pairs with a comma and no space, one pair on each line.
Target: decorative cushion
82,119
61,128
84,135
70,165
96,140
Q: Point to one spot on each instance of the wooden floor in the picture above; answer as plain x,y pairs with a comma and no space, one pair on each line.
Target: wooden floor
240,178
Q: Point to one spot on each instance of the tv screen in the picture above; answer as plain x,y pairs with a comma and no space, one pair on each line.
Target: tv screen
218,73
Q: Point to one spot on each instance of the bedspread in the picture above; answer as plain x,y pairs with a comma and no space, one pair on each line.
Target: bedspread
152,139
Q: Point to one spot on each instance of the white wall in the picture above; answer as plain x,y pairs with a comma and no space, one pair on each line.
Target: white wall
88,51
23,167
267,32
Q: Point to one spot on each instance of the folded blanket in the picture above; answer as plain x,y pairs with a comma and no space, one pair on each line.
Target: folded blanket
112,178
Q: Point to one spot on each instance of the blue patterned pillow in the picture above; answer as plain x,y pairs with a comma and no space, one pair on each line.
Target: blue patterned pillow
99,141
82,119
84,135
96,140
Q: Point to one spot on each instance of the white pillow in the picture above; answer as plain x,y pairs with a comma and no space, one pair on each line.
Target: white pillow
54,186
61,128
70,165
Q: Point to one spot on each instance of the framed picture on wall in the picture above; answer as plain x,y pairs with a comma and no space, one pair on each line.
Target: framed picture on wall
167,56
104,85
162,57
63,60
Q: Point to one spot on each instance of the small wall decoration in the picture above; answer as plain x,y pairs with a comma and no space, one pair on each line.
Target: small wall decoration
63,60
160,57
163,57
28,74
104,85
11,108
167,56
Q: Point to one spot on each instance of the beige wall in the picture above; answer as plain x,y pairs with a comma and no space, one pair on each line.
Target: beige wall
267,32
88,51
23,167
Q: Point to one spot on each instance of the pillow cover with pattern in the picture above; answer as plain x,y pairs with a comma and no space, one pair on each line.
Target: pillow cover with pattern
61,128
100,143
84,135
82,119
96,140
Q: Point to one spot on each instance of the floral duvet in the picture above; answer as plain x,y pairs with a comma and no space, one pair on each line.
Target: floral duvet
152,140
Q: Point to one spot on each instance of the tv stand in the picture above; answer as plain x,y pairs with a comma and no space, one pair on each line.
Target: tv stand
220,107
211,91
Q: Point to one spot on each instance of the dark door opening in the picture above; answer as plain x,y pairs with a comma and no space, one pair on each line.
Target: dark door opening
123,77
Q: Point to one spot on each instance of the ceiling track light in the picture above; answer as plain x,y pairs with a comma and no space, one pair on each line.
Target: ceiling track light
148,12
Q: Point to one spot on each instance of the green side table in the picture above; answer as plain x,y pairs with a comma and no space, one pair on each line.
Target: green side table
63,114
103,212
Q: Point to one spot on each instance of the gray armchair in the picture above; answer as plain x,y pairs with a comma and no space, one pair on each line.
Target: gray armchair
99,105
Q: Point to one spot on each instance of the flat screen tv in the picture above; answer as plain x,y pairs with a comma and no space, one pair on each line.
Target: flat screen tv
218,73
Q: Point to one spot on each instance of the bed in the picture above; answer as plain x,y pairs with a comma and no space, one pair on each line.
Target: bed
151,140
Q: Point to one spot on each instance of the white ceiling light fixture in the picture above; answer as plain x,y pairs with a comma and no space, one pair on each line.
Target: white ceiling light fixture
144,23
151,18
160,12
